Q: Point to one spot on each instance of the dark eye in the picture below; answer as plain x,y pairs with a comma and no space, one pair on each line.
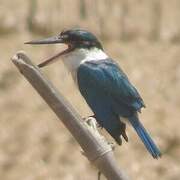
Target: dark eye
63,35
62,32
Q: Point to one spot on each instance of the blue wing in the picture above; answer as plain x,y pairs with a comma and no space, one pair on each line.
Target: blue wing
110,95
108,78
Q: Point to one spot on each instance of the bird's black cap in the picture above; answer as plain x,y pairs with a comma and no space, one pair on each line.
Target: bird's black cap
74,38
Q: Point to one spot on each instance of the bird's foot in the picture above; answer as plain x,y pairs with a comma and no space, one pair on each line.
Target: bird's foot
91,123
93,116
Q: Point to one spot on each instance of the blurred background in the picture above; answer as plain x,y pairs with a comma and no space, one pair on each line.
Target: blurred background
143,36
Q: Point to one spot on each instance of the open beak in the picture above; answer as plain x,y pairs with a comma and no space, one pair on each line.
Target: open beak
51,40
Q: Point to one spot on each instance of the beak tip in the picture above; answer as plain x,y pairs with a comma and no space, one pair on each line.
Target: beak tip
51,40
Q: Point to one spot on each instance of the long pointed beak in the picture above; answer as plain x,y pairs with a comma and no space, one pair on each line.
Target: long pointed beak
51,40
54,58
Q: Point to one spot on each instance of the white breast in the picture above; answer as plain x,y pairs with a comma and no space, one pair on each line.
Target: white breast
73,59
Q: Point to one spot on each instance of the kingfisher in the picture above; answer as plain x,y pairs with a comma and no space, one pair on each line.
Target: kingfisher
103,84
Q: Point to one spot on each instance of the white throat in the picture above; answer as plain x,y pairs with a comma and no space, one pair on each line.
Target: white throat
73,59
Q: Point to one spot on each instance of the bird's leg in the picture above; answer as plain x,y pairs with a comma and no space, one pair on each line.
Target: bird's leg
93,116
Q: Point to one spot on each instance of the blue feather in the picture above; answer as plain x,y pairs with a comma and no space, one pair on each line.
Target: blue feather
145,137
111,96
101,105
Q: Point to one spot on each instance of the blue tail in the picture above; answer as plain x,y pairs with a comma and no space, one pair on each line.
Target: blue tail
145,137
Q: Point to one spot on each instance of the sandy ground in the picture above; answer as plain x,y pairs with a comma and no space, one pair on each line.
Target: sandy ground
34,145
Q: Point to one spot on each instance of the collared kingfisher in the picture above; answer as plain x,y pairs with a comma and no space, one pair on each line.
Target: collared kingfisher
103,84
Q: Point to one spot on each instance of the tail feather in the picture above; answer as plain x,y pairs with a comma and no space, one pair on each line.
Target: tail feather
145,137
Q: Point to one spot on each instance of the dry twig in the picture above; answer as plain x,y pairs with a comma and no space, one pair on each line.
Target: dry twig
96,149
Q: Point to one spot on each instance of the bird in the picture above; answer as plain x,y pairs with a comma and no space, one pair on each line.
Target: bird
103,84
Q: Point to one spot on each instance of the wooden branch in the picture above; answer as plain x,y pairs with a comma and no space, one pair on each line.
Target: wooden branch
98,151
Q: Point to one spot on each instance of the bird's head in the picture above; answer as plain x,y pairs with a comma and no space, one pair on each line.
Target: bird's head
74,39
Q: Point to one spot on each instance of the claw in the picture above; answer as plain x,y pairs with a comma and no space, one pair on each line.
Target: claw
123,131
125,136
119,140
93,116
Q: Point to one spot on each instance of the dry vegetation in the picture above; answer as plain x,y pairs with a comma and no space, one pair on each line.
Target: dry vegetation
142,35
